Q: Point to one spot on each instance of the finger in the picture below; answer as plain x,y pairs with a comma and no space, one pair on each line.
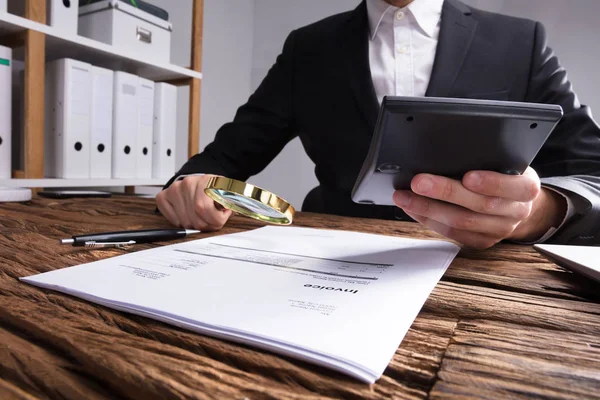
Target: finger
201,209
469,239
213,216
166,209
190,192
522,188
455,216
176,198
453,191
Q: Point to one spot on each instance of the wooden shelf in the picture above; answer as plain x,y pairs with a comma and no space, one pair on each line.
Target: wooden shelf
60,183
59,45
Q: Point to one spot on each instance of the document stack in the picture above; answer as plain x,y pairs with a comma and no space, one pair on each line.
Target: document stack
343,300
5,112
68,119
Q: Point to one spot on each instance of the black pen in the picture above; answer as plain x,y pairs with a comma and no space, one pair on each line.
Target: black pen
126,238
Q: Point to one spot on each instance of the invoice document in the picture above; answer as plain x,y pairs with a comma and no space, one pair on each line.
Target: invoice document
340,299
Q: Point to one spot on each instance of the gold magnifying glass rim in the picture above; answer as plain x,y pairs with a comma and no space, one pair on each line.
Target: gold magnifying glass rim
251,192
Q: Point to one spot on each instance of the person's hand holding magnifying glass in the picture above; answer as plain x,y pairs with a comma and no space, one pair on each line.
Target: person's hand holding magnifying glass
186,205
206,202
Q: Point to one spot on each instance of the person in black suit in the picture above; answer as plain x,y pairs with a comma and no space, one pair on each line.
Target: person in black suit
326,87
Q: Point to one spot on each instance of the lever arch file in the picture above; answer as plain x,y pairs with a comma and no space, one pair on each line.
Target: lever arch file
63,15
101,129
165,127
145,127
5,112
67,122
125,125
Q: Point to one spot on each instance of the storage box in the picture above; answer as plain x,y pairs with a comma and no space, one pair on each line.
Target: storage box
127,28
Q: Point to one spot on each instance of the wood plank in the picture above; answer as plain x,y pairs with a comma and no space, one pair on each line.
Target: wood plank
13,40
35,59
35,10
458,301
25,362
195,85
12,392
197,34
194,119
486,327
179,81
541,278
492,360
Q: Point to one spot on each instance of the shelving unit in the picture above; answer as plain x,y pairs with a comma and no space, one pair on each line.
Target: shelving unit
81,183
36,43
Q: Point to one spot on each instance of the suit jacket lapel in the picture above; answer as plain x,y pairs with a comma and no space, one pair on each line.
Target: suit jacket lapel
355,39
457,31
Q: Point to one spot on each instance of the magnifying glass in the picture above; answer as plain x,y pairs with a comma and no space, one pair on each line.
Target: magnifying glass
249,200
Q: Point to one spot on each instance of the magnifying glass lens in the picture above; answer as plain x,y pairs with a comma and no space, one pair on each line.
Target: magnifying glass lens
249,200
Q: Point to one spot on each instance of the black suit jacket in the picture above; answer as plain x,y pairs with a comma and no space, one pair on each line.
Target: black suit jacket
320,89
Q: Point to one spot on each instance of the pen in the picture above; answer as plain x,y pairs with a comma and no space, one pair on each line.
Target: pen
126,238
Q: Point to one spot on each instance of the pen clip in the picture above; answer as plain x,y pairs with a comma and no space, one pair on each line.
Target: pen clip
105,245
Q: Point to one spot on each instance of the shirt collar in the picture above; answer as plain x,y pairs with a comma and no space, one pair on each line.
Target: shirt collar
426,12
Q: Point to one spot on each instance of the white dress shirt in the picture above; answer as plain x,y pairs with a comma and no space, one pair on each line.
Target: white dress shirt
402,46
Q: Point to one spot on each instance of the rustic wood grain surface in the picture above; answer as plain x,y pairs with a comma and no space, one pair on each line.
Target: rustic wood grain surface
502,323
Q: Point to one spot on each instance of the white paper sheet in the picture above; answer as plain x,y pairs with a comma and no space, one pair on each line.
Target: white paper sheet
340,299
583,259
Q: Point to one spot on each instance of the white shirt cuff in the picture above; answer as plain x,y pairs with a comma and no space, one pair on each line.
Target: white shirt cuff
570,212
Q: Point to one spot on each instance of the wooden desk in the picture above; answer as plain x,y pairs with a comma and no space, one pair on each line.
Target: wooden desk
501,323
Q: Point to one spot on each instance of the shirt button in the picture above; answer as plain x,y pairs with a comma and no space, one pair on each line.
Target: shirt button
402,49
399,15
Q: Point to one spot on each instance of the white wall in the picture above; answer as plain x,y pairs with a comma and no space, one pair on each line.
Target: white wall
226,63
291,174
573,33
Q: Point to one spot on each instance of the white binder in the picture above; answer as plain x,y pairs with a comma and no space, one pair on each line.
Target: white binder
68,111
125,126
145,127
165,127
18,118
63,15
101,123
5,112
